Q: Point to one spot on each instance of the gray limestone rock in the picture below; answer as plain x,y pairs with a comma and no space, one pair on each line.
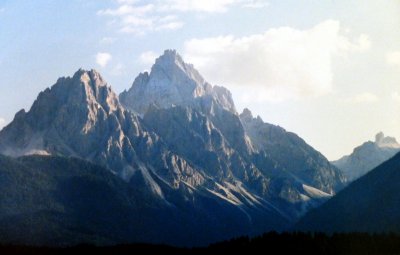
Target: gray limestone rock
172,82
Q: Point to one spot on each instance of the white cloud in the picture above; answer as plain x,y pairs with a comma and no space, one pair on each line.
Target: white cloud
148,57
135,21
210,6
169,18
127,1
255,4
396,96
102,58
140,17
393,58
279,64
170,26
127,9
107,40
363,43
198,5
2,123
365,97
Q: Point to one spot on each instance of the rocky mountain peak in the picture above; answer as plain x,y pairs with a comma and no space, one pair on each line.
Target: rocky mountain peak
73,104
248,119
172,82
89,87
379,137
170,56
88,77
246,115
386,141
171,65
78,116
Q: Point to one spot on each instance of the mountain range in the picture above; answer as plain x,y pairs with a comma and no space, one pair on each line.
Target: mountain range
174,163
367,156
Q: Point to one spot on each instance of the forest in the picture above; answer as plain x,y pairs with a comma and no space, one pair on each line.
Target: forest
268,243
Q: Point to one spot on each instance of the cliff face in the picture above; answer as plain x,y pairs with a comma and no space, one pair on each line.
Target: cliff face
173,82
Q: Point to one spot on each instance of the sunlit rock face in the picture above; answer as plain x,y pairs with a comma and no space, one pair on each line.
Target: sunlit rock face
173,82
367,156
78,116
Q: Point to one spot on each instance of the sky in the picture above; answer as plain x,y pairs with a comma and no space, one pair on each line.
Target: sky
326,70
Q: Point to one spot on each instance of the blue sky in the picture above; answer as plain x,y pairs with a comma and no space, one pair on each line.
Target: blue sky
326,70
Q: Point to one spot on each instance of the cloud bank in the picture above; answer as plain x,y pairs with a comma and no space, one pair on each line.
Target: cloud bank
396,96
2,123
141,17
148,57
393,58
365,97
102,58
281,63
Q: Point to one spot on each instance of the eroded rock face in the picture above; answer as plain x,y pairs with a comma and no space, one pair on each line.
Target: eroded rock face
292,154
367,156
172,82
79,116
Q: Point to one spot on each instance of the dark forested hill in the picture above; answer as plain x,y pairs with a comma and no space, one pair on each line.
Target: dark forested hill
370,204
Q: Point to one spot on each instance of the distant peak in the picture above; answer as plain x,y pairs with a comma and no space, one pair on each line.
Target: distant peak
171,64
379,137
387,141
93,75
169,56
82,71
246,114
170,52
170,82
85,87
20,114
79,73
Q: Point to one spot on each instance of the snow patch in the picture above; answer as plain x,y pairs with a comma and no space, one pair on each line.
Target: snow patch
315,193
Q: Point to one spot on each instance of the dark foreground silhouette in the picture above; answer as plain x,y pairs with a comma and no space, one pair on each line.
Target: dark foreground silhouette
269,243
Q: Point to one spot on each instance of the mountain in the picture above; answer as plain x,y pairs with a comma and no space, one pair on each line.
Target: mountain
173,82
78,116
367,156
81,117
183,150
288,182
293,154
369,204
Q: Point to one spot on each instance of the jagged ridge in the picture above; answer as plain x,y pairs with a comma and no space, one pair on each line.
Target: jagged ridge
367,156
